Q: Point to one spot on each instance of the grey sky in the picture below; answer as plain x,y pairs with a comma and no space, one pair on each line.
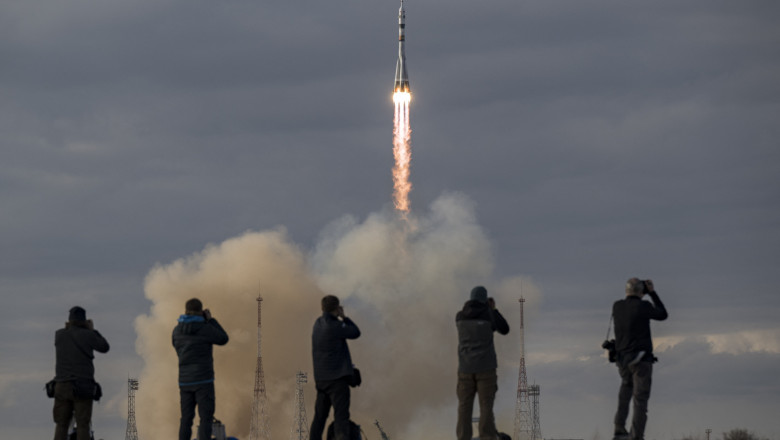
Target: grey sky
596,140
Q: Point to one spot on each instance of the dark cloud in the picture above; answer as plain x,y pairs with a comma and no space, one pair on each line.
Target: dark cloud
597,140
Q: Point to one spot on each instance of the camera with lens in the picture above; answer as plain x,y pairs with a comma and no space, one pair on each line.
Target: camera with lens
645,289
609,345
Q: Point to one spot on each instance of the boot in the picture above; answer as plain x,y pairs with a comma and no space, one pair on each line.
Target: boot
620,433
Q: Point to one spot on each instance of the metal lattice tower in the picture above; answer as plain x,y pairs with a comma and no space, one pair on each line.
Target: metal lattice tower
258,429
131,433
523,417
300,428
533,392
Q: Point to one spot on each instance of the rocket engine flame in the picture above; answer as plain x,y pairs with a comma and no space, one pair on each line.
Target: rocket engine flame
402,152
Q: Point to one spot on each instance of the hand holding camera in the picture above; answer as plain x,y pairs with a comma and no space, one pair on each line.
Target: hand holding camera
207,314
649,286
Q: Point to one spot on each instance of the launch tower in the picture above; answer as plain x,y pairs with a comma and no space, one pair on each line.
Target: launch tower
300,428
131,433
523,420
259,426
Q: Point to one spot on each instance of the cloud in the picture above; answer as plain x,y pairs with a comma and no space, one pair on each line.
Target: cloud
766,341
401,282
733,343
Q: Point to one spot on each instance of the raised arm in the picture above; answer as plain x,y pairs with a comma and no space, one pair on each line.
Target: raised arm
348,329
217,334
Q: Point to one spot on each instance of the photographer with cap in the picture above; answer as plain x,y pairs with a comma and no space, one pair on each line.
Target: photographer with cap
634,347
193,338
75,386
477,362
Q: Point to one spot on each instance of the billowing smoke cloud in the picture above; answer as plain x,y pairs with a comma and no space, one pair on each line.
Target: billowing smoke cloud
401,282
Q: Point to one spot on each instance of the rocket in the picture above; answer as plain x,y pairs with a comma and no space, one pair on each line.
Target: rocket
401,77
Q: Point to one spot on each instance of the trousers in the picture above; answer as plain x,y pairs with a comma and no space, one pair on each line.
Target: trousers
485,385
67,407
635,383
331,393
202,396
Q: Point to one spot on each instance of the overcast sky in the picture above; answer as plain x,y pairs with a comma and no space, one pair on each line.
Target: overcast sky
593,141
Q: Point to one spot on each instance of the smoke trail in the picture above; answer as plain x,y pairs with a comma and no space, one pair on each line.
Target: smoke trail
401,152
402,289
226,277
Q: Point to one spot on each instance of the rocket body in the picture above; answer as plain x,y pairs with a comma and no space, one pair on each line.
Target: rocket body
401,77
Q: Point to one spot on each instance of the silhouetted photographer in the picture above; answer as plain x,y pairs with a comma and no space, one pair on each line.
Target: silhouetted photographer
333,369
632,351
193,338
477,363
74,384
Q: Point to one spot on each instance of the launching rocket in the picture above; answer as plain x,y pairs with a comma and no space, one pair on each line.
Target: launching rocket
402,152
401,77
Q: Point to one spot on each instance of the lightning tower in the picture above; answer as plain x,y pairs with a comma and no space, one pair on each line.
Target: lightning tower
259,426
300,428
131,433
536,431
523,420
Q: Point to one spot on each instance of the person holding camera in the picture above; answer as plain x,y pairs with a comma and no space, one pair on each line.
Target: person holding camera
193,338
333,369
477,363
634,353
75,385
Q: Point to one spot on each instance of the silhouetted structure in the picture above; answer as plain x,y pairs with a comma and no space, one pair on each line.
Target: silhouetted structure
523,416
300,428
381,431
259,425
536,431
132,432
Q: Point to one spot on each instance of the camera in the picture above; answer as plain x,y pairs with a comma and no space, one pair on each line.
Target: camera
609,345
645,289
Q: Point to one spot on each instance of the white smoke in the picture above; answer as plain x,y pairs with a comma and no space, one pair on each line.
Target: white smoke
401,284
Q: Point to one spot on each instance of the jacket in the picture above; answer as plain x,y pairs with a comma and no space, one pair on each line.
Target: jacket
632,318
75,346
476,324
193,339
329,349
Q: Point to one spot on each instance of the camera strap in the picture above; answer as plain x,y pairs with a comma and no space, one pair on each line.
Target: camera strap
609,327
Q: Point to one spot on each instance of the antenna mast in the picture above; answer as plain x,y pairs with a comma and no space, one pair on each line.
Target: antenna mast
259,427
300,429
132,432
534,391
523,421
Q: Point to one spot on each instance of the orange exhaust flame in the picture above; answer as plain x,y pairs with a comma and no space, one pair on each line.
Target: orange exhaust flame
402,152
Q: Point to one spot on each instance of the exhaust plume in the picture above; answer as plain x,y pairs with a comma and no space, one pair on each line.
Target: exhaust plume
402,152
401,288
